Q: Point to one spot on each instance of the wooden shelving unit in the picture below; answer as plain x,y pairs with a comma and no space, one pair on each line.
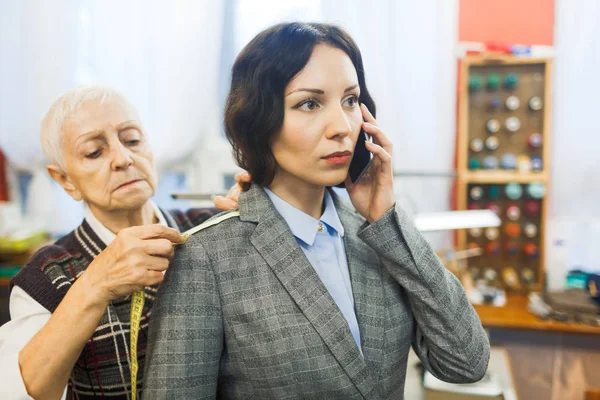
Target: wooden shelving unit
485,86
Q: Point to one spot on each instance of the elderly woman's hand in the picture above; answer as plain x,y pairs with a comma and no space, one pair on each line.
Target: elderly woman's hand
136,258
231,200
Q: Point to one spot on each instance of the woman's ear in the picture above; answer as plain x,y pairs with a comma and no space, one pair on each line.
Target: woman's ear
63,180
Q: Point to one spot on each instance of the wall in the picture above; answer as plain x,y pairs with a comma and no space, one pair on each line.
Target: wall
506,21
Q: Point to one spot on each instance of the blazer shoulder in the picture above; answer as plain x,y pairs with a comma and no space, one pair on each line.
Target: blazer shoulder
217,228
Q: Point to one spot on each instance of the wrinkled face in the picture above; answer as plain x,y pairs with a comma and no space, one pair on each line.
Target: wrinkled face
108,160
322,120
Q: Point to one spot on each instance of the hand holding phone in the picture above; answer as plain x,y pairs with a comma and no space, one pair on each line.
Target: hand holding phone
370,181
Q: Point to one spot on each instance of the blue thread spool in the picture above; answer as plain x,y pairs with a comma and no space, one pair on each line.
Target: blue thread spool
490,162
495,103
536,163
509,161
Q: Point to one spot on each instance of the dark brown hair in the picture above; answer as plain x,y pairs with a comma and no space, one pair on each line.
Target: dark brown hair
255,105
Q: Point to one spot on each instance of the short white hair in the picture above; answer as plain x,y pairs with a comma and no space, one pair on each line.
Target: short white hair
63,108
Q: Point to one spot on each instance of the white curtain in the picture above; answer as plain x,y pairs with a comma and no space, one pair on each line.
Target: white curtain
37,59
408,52
163,55
574,215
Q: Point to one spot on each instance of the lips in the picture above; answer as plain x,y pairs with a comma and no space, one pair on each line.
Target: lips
338,158
128,183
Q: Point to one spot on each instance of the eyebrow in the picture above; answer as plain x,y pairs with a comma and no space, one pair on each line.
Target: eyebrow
319,91
98,132
119,127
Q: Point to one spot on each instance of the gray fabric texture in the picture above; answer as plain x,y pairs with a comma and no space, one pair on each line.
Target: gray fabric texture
242,314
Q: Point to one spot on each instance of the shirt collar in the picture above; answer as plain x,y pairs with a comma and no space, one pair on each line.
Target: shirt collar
302,225
106,234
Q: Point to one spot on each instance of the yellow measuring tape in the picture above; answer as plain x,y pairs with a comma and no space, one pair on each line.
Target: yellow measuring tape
137,302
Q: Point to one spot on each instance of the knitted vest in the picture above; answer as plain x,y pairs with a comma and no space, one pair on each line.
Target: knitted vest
103,369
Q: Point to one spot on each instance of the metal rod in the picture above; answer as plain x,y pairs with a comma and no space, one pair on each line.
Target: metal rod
423,174
398,174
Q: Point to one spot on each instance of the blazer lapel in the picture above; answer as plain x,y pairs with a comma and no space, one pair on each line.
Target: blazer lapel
275,242
367,287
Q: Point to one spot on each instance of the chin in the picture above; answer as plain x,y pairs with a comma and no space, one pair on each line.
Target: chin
133,202
332,178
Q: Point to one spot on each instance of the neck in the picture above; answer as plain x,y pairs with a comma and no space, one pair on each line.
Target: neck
121,219
306,197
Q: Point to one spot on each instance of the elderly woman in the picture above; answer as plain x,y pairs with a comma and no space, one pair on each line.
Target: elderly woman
301,294
70,304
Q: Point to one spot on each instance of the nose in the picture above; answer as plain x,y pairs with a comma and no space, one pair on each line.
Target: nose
339,124
121,158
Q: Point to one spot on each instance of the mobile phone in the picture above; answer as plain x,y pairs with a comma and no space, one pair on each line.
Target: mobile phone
362,157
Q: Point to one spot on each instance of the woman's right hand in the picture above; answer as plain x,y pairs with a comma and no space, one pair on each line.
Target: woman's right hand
136,258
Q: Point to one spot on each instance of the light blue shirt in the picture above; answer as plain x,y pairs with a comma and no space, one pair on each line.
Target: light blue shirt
322,243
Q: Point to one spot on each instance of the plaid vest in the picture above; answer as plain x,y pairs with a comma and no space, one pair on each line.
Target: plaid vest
103,368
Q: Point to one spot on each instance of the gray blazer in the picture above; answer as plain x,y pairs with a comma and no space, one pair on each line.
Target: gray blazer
242,314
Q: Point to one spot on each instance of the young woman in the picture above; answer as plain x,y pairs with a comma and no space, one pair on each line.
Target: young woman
303,294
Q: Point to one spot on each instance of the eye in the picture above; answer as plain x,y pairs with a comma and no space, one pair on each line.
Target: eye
351,101
308,105
130,136
95,154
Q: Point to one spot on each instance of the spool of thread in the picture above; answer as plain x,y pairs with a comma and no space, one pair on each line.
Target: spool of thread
530,250
511,248
495,208
495,103
536,190
475,232
536,163
513,191
530,230
511,81
524,163
493,192
475,83
492,125
508,161
512,103
476,192
490,275
528,276
476,145
492,233
493,81
490,162
492,143
513,212
492,248
474,163
535,140
535,103
512,229
532,208
510,277
513,124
